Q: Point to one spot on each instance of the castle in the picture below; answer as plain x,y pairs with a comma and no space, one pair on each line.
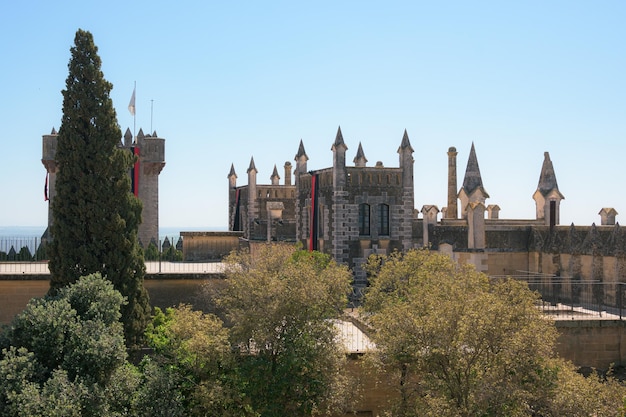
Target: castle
351,212
150,152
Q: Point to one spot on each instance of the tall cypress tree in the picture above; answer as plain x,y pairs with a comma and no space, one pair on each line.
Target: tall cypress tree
95,216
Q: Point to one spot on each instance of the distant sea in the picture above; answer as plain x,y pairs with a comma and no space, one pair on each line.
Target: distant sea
172,232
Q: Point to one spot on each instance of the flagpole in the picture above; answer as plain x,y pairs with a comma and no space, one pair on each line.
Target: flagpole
151,106
134,112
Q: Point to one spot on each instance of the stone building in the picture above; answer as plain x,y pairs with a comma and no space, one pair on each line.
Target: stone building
351,212
150,150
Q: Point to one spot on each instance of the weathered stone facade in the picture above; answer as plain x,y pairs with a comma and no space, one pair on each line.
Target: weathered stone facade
351,212
150,150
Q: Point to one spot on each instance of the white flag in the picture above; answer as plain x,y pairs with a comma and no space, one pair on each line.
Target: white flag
131,105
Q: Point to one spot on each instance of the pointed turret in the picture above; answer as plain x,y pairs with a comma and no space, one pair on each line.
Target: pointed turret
253,206
339,149
140,137
128,138
54,131
232,176
405,145
252,167
301,158
472,190
405,152
547,196
275,177
360,160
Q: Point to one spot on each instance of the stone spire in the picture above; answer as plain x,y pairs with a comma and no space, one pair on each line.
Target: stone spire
301,158
339,149
252,167
128,138
547,178
253,206
405,145
275,177
547,196
472,190
473,179
232,176
360,160
339,141
406,160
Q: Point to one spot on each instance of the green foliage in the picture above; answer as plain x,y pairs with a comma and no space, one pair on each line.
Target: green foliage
151,253
456,340
282,306
172,255
195,352
62,352
96,217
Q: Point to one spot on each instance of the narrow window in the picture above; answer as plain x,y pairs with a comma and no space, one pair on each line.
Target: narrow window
364,219
383,212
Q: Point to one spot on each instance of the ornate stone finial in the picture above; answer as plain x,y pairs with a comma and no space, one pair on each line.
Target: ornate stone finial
360,160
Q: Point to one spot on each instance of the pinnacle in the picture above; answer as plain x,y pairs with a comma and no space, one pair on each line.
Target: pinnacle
405,145
339,140
252,167
232,171
301,151
473,179
547,178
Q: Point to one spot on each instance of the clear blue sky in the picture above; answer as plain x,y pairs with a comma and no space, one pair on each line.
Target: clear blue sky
232,80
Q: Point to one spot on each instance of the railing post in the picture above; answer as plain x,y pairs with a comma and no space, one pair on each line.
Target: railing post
619,291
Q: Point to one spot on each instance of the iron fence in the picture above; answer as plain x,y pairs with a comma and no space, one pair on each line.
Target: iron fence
570,297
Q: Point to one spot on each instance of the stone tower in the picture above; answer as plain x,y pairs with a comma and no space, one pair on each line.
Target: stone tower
150,151
405,215
340,234
151,162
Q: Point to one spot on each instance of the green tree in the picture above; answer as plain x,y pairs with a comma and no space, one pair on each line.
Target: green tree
196,367
282,306
95,216
457,343
63,354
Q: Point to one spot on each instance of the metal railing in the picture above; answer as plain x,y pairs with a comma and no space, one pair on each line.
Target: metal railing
572,298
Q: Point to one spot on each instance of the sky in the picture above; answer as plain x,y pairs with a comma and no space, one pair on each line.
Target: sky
226,81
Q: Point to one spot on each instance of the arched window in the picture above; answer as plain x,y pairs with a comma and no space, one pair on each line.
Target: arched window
364,219
383,219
